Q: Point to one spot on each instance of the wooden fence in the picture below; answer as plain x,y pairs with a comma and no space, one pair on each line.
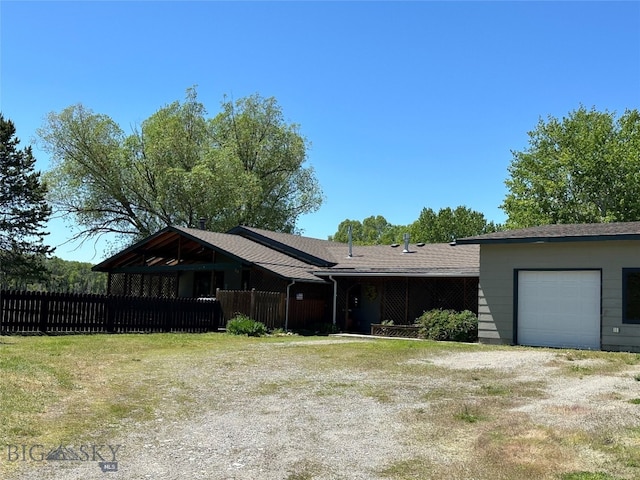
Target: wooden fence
32,312
65,313
270,308
266,307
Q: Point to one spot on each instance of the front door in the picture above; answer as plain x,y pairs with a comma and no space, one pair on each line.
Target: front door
364,307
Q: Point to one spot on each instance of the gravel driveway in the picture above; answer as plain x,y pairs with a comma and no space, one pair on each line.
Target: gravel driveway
263,417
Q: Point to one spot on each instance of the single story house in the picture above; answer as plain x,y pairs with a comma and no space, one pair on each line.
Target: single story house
574,286
322,281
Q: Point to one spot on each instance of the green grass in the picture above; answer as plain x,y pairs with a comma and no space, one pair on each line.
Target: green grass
468,414
45,381
588,476
71,389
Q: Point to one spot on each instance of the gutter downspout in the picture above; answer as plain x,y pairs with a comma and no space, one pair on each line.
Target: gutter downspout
286,309
335,298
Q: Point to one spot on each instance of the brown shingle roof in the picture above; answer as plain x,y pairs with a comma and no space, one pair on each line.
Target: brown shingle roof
436,259
430,259
256,253
561,232
312,250
300,258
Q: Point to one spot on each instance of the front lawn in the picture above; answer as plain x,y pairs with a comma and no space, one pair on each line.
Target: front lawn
324,407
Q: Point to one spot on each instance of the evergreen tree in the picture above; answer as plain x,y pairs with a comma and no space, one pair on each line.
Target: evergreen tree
23,212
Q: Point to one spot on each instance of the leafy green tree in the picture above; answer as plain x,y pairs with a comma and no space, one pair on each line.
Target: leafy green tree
449,224
23,212
68,276
253,132
430,227
244,166
74,277
584,168
373,230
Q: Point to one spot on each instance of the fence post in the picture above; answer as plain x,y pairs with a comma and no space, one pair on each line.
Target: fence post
217,313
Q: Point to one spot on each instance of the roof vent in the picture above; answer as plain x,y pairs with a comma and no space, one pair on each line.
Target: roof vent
350,235
202,223
405,237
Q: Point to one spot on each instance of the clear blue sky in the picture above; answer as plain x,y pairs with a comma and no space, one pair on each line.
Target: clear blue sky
407,104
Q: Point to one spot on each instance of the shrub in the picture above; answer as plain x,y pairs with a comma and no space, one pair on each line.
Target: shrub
448,325
243,325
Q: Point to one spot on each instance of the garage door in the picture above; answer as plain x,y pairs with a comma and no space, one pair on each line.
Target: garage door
559,308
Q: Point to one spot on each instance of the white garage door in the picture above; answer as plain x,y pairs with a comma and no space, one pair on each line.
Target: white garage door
559,308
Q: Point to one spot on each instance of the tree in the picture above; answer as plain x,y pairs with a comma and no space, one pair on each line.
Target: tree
244,166
584,168
373,230
66,276
23,211
449,224
430,227
252,131
74,277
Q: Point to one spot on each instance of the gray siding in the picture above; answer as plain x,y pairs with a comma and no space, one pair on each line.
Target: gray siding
496,289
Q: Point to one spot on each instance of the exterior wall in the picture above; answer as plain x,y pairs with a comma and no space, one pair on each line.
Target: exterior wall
401,299
185,284
496,289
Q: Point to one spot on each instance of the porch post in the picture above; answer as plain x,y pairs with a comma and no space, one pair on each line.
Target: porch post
335,298
286,307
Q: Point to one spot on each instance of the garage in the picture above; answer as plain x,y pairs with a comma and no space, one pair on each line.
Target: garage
558,308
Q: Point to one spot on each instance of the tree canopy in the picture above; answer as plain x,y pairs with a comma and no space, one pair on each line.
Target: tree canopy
430,227
584,168
449,224
244,166
63,276
374,230
23,211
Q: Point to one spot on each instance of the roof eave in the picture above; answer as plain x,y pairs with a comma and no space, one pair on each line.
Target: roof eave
399,274
100,267
564,239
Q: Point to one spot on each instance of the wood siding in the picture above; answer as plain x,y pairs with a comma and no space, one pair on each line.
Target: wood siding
498,264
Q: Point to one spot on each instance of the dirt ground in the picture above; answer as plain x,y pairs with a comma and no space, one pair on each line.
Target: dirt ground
485,413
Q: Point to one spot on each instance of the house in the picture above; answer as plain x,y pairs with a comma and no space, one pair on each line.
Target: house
572,286
322,281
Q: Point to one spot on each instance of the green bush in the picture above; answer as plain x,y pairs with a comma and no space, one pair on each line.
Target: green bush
243,325
448,325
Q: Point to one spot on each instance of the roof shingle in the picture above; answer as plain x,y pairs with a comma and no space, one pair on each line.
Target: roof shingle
303,258
561,232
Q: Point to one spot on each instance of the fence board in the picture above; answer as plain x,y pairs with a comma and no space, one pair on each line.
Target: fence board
306,313
270,308
31,312
265,307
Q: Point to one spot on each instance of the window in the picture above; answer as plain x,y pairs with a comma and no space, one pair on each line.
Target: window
631,295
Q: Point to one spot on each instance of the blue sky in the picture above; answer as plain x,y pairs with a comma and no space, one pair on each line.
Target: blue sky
406,104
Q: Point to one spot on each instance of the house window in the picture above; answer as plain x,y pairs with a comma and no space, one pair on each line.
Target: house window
631,295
